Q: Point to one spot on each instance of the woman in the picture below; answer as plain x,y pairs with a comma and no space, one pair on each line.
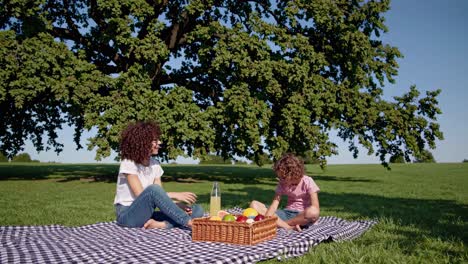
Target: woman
139,188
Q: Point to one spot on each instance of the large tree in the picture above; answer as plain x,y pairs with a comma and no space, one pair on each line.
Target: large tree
236,77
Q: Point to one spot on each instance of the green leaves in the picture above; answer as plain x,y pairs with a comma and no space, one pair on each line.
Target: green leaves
242,79
41,81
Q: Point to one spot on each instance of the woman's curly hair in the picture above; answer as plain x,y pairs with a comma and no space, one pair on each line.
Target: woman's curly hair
289,167
136,139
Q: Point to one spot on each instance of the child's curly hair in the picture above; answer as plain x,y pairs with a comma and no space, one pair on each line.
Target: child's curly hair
136,139
289,167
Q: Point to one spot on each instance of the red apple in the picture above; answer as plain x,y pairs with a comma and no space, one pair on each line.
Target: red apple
259,217
241,218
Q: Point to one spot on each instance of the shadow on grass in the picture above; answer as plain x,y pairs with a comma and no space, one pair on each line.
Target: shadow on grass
225,174
176,173
108,173
64,172
412,221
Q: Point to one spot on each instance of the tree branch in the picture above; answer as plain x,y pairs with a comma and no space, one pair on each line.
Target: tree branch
68,18
95,15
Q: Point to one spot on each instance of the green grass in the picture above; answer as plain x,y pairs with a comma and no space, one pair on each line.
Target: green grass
422,209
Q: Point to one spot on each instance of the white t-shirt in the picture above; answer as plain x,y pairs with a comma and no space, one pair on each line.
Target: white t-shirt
146,175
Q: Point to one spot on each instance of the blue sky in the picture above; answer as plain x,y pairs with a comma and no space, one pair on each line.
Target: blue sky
433,38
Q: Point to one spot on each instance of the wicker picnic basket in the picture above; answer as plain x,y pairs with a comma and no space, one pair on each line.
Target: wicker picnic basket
204,229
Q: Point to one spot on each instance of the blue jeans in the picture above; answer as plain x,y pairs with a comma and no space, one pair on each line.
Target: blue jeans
286,214
142,209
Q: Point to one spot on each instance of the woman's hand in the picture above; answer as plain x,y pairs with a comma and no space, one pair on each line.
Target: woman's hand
186,197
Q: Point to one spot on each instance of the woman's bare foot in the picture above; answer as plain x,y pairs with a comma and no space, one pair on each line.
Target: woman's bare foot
151,223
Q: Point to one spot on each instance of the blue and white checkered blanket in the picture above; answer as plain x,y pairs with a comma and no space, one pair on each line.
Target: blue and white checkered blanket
108,242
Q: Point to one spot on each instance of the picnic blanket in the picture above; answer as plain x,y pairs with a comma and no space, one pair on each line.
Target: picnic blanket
109,243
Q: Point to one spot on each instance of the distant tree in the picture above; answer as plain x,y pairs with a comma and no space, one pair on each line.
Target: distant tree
215,159
397,158
263,159
425,157
3,158
22,157
465,160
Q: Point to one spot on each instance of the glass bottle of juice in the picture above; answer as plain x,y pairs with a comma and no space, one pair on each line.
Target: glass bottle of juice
215,200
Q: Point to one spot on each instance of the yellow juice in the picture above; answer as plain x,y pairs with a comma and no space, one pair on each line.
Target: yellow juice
215,205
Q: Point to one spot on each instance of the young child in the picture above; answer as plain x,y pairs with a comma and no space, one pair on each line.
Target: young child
139,188
303,203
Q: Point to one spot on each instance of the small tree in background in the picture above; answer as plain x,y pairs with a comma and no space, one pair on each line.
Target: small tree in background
22,157
465,160
397,158
3,158
263,159
425,157
215,159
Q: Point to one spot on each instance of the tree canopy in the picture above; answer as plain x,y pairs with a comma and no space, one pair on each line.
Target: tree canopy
239,78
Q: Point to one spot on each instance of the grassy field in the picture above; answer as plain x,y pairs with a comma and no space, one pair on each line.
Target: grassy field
422,209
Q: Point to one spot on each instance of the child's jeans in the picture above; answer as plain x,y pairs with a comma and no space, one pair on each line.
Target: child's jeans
286,214
144,205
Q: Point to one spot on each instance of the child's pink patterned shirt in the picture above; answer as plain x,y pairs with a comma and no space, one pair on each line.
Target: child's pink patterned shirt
298,195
